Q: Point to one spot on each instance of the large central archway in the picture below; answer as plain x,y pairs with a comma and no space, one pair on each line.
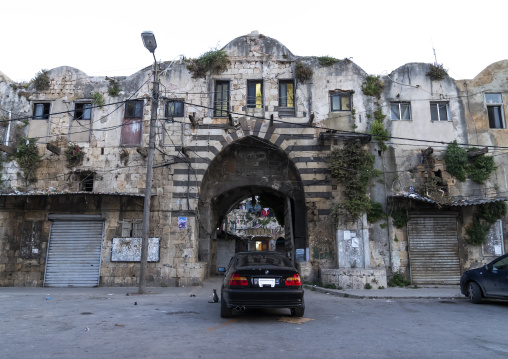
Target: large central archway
248,167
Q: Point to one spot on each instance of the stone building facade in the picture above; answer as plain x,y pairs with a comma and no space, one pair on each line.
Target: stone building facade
263,127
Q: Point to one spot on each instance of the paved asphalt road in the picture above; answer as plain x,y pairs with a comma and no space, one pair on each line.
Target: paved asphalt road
180,323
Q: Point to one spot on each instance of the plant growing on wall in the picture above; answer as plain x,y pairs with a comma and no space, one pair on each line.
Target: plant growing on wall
437,72
74,155
375,212
457,165
378,129
113,88
264,221
481,167
353,166
214,61
373,86
28,158
327,61
399,217
476,233
303,72
98,99
41,80
456,161
492,211
398,280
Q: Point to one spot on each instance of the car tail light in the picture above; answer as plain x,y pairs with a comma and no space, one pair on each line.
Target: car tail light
237,280
294,280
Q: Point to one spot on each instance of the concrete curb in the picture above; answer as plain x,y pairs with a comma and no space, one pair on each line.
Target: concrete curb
418,293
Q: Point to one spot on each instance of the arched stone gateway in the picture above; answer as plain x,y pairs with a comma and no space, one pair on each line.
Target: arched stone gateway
249,167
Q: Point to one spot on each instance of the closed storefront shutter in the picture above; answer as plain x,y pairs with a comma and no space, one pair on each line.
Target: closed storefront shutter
433,249
74,253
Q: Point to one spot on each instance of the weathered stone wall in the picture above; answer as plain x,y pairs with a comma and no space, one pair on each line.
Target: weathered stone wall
491,80
185,153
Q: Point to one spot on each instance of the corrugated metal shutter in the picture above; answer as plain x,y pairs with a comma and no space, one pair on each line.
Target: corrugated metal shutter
434,249
74,254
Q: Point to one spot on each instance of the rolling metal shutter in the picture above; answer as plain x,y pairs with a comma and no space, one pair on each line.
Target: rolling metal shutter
434,249
74,253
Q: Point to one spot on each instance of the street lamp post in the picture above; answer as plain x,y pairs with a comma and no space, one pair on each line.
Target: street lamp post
150,43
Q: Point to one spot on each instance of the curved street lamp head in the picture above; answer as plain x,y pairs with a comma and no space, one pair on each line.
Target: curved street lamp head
149,41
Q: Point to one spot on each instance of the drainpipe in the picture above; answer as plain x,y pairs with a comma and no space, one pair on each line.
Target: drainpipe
6,142
387,224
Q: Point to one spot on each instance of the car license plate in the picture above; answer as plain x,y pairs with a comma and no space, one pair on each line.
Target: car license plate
267,281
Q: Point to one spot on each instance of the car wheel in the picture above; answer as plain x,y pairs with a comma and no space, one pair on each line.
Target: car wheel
475,293
298,311
225,312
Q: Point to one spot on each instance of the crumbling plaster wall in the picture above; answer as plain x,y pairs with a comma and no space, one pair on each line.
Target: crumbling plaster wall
253,56
403,165
117,168
491,80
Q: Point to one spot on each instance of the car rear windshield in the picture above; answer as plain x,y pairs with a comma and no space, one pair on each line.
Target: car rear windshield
255,259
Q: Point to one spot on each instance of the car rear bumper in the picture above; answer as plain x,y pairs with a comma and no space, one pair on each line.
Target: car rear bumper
263,298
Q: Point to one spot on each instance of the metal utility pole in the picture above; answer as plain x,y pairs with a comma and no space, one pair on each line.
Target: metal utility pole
150,43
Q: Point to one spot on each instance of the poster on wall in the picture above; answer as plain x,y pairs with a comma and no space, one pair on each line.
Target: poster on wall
182,222
129,249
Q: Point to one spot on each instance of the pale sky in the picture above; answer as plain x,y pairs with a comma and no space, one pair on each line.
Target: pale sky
104,37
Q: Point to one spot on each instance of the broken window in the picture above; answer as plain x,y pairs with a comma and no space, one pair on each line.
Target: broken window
494,102
400,111
174,108
132,228
132,127
286,98
83,111
439,111
86,181
221,99
81,125
340,101
255,94
39,125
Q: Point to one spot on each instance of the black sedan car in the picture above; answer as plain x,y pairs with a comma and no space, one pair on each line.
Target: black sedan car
489,281
261,280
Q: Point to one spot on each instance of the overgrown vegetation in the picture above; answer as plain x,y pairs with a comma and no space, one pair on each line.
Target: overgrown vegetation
28,158
375,212
113,88
378,129
476,233
399,217
398,280
479,168
353,166
437,72
214,61
492,211
41,80
456,161
327,60
303,72
98,99
74,155
373,86
431,185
